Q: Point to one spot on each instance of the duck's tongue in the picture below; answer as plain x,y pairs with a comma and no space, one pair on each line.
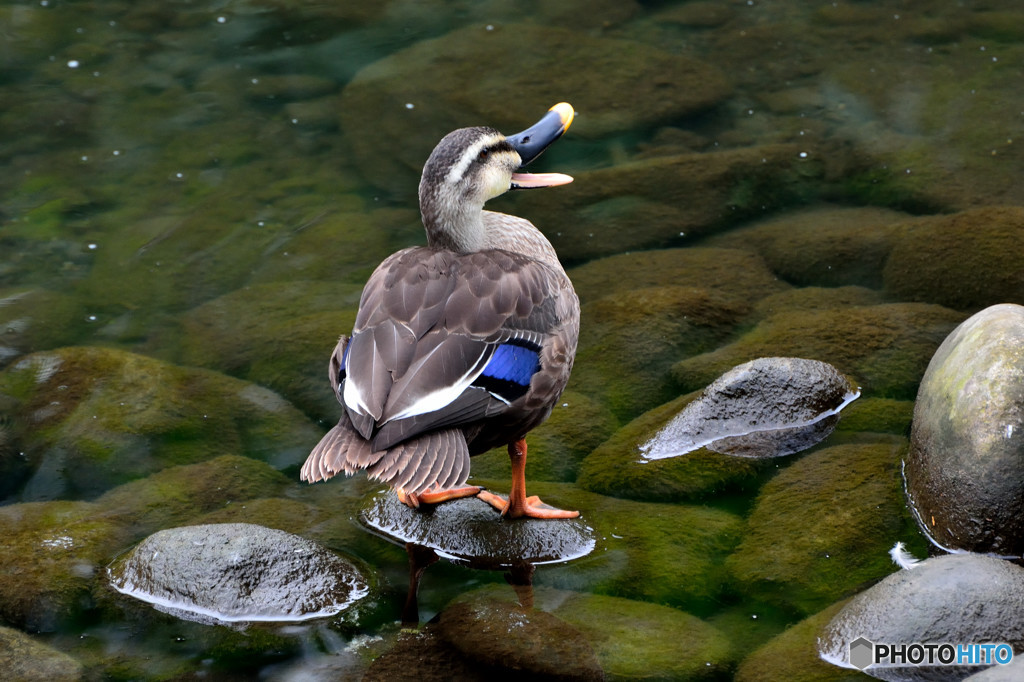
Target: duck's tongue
534,180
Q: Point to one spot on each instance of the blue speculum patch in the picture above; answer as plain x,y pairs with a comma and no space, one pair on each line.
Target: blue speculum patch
512,362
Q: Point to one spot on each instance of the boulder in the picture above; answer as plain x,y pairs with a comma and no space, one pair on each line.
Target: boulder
238,572
965,468
953,599
763,408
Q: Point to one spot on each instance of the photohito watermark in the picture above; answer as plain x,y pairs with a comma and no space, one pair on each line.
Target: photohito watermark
864,652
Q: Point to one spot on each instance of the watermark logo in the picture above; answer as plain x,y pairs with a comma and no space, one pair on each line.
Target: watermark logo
863,653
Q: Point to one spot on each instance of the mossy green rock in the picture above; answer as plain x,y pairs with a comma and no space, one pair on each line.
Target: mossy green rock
278,335
793,655
616,467
463,78
822,528
884,348
52,552
577,425
37,319
178,495
503,634
965,261
632,640
26,660
878,415
629,341
668,200
738,276
96,417
668,554
822,246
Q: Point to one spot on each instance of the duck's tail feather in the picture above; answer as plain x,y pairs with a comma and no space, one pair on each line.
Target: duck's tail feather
435,459
341,449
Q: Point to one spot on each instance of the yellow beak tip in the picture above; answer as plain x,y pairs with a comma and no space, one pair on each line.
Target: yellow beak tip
565,111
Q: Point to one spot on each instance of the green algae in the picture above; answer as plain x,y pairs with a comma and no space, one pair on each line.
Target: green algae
255,334
822,246
877,415
661,553
683,196
793,655
631,640
617,469
965,261
822,528
28,660
54,549
101,417
884,348
176,496
630,340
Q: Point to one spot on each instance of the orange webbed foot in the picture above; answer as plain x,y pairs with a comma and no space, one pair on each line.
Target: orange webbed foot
532,507
431,496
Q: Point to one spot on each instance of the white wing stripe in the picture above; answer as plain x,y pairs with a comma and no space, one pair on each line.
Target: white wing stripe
439,399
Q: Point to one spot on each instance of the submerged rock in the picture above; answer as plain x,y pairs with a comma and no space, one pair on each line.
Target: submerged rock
820,529
957,599
238,572
26,660
965,469
965,261
458,79
470,531
763,408
503,634
792,655
886,346
92,418
616,468
51,552
631,640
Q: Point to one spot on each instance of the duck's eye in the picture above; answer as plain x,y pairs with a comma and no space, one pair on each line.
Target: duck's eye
483,155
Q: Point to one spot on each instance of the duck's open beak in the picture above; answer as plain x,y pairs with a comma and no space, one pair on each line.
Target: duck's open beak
531,142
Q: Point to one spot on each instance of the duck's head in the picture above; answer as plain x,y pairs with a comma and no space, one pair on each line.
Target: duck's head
472,165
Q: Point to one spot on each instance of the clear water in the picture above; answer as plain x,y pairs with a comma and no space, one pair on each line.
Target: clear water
200,183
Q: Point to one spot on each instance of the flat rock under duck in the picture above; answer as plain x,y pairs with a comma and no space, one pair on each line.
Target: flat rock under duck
464,344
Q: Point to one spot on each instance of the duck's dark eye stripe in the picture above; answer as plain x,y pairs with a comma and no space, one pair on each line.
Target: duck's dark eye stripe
503,146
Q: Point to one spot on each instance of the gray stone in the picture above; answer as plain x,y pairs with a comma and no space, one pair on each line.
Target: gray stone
238,572
763,408
965,468
470,531
957,599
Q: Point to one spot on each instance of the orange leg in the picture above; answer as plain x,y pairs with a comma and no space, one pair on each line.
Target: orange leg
435,496
518,504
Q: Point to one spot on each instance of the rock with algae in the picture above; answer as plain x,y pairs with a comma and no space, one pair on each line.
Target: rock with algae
820,530
965,468
93,418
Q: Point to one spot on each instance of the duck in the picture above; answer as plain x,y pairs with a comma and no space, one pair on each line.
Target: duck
464,344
